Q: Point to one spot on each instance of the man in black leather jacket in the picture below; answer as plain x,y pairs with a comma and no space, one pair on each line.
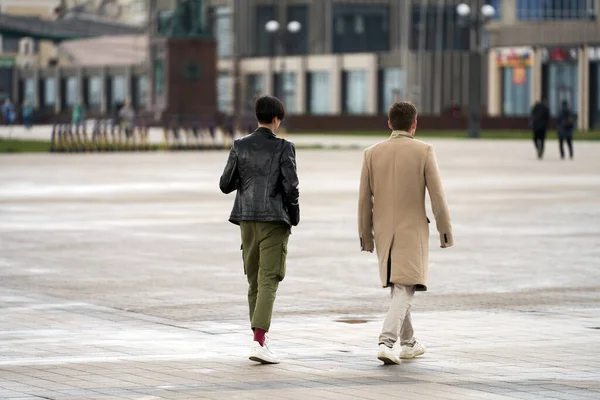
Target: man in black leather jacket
262,168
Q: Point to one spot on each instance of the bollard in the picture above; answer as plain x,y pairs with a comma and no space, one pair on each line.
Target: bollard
53,139
196,133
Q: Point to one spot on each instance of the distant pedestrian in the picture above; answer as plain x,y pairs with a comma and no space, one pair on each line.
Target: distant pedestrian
127,119
265,208
566,125
8,112
27,114
540,117
392,220
78,113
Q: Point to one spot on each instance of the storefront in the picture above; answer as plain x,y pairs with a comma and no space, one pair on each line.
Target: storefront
514,65
560,78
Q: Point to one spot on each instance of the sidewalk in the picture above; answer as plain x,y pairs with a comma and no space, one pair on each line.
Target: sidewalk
68,350
120,278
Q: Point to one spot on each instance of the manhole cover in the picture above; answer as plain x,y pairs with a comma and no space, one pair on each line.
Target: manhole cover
593,327
352,321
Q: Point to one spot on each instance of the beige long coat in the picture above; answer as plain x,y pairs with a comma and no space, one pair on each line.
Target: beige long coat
391,208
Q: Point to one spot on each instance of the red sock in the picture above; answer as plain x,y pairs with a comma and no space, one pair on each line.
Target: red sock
259,336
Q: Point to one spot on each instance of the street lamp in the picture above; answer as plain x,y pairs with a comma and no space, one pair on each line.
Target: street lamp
475,21
282,37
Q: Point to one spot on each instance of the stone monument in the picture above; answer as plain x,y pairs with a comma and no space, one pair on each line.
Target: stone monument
183,62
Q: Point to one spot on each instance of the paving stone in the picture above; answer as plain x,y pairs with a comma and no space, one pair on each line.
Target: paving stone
120,278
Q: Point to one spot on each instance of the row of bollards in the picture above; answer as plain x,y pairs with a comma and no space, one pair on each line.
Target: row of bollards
106,136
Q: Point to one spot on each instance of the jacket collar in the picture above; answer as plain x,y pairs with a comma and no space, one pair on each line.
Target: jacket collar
264,131
400,134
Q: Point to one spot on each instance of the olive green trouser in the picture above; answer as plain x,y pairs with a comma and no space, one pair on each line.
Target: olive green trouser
264,249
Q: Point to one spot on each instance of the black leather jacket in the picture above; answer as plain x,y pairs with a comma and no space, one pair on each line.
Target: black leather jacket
262,168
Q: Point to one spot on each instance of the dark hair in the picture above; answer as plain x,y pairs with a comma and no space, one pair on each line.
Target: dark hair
268,107
402,115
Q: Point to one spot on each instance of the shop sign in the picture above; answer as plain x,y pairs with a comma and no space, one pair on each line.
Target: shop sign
519,75
7,62
514,57
593,53
559,54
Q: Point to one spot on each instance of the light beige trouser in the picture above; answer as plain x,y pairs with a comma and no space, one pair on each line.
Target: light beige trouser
398,322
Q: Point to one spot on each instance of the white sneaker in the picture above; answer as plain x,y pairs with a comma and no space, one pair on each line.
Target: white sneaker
387,355
262,354
417,349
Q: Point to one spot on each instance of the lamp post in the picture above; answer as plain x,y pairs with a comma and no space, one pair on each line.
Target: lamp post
475,20
282,37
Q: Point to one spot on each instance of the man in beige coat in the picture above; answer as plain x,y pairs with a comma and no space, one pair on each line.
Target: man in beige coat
392,219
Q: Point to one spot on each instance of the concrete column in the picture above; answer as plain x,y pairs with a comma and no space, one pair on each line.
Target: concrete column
269,81
58,92
243,93
508,12
129,83
494,86
536,76
15,87
335,76
372,86
583,84
80,92
36,88
317,31
301,87
103,92
328,23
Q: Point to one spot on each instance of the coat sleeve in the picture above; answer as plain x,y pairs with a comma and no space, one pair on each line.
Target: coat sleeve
230,180
365,209
289,175
438,200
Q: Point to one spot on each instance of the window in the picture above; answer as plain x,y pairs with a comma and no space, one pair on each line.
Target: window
285,89
298,42
72,95
360,28
562,86
224,98
318,92
516,93
497,4
95,92
159,77
10,44
392,86
222,30
255,87
265,42
437,29
29,90
141,94
537,10
119,90
49,92
355,92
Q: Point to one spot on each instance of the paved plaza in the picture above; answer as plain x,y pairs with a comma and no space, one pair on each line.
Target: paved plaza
120,278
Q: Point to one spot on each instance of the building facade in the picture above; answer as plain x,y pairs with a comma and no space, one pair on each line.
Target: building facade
545,49
349,57
356,57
